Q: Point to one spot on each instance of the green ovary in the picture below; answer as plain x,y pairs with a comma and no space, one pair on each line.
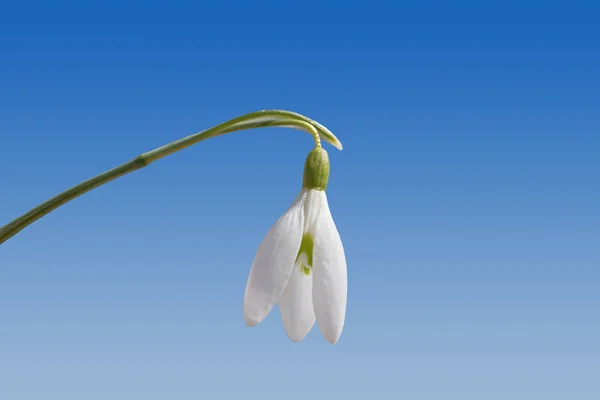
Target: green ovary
316,170
306,247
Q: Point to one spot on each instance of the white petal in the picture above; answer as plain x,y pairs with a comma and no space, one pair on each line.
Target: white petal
273,263
296,304
330,280
312,208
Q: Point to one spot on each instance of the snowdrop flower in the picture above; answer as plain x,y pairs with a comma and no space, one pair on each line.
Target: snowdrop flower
300,264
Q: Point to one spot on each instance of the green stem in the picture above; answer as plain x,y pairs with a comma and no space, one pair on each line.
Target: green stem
260,119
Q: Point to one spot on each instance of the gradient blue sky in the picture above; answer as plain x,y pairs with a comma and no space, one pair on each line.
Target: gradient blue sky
467,197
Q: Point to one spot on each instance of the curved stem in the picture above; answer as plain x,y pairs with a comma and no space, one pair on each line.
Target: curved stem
260,119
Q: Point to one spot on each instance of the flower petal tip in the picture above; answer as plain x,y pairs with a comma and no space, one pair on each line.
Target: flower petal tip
251,322
333,341
295,339
298,336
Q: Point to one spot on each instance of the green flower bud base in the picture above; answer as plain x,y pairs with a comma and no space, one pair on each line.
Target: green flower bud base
316,170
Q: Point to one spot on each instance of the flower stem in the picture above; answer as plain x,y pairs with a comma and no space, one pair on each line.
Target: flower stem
259,119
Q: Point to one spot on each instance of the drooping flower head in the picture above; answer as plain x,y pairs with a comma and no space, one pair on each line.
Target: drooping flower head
300,265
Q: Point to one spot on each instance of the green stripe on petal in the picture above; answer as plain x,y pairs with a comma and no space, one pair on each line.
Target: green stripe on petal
306,247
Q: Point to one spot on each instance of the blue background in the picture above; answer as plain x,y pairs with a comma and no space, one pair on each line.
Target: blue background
467,196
